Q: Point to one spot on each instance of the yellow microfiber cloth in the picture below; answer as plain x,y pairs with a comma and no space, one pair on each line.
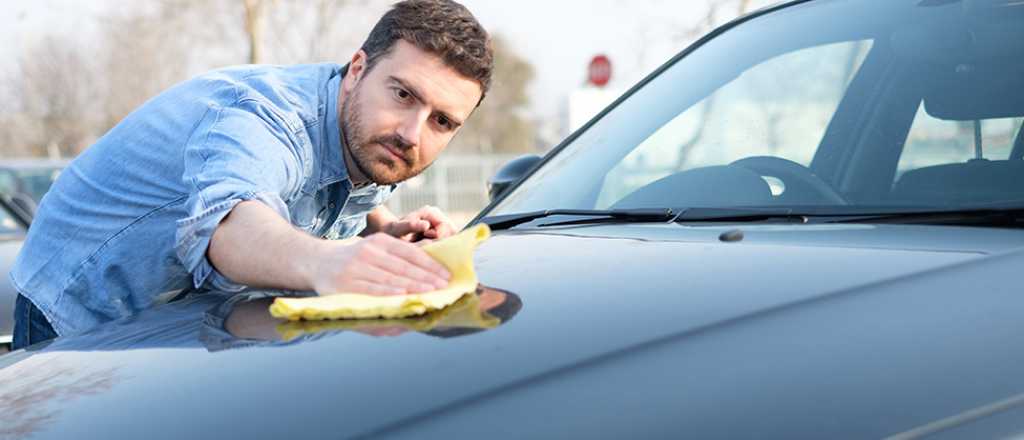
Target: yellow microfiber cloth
455,253
464,313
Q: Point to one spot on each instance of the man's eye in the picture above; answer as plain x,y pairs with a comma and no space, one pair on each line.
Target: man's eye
444,122
402,95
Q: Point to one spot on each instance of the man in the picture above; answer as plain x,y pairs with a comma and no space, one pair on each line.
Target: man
230,180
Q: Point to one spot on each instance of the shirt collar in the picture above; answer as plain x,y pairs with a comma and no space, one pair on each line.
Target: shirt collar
332,161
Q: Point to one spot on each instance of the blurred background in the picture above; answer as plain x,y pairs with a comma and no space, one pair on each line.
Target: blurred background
74,68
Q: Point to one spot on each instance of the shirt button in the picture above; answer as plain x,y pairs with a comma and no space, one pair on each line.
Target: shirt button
331,205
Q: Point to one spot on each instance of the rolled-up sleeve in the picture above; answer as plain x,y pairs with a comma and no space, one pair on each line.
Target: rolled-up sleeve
236,154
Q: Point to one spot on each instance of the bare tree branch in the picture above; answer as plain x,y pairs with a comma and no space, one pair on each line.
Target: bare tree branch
55,80
255,14
499,124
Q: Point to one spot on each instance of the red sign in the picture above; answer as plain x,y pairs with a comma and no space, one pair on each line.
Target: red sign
600,71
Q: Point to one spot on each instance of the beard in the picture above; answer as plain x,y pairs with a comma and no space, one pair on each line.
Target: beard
368,152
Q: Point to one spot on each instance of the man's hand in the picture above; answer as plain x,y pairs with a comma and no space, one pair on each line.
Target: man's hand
377,265
257,247
427,222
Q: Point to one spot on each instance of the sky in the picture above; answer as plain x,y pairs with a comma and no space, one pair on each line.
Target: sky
558,37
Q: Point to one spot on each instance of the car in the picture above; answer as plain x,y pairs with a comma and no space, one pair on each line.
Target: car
13,228
30,176
807,224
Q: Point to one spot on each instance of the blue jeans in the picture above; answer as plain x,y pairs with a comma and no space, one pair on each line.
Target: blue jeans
30,326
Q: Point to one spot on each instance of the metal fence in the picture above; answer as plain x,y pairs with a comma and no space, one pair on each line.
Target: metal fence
457,184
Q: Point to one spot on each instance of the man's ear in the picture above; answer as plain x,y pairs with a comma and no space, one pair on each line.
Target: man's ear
356,70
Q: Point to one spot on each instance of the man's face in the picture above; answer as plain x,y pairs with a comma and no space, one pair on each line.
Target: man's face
397,117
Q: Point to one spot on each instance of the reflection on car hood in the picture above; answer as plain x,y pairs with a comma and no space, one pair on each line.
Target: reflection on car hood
592,297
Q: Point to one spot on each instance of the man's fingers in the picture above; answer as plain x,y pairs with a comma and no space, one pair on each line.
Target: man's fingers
381,273
440,225
389,268
372,288
403,227
426,222
380,265
412,254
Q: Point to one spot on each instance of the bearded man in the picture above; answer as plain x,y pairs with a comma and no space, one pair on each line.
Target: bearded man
235,178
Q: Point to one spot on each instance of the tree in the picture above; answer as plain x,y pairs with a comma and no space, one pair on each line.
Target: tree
66,93
304,31
57,100
150,49
711,19
255,23
154,45
500,124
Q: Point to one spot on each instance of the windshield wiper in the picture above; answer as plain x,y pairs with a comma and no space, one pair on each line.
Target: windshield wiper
648,215
974,216
585,216
742,215
970,216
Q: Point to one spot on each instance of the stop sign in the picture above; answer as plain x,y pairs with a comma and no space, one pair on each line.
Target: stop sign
600,70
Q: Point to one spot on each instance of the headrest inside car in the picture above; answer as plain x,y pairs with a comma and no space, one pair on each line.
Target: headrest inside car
973,91
969,63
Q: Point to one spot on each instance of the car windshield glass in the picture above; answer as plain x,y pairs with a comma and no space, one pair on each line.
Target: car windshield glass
901,105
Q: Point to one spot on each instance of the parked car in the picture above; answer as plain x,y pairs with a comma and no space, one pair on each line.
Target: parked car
13,227
29,176
805,225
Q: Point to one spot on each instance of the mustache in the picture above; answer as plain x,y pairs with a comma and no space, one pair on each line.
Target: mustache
397,142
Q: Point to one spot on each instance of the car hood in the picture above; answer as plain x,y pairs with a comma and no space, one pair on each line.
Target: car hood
591,296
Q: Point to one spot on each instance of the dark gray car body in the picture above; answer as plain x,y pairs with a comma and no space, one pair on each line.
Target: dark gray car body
12,236
794,332
10,244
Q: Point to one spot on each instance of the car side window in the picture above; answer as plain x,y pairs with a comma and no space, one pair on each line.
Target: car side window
780,107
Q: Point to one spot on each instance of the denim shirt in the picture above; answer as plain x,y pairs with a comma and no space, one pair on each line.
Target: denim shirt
128,223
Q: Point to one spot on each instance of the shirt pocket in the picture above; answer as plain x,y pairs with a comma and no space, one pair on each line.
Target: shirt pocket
346,227
304,212
362,204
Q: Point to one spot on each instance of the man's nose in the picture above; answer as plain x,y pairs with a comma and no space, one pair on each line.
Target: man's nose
412,126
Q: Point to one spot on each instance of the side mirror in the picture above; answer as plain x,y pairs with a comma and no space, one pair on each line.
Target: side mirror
510,173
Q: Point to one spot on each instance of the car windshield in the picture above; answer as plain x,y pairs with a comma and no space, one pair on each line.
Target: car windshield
903,105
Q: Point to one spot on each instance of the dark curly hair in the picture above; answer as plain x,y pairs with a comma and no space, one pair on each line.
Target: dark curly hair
442,27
